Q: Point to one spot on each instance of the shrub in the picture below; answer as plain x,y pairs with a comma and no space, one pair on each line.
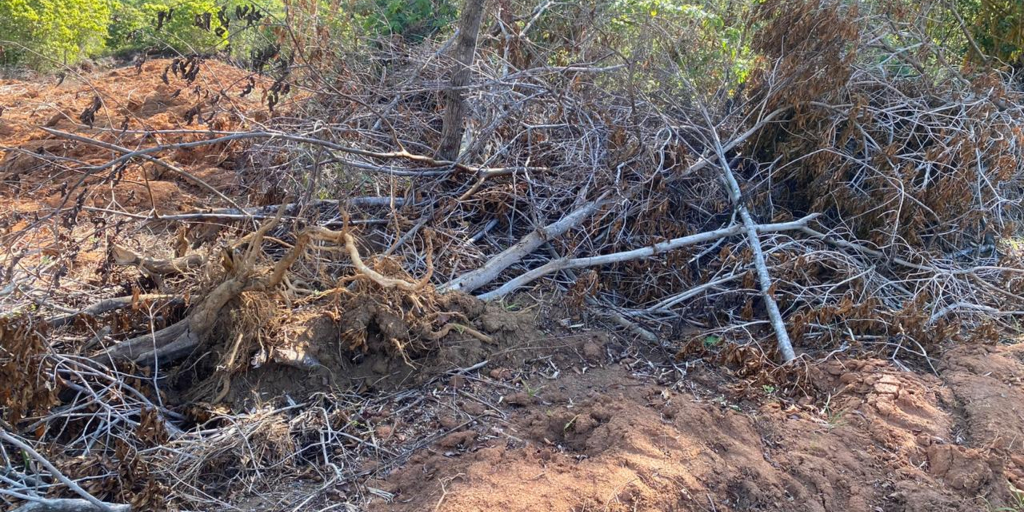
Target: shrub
413,20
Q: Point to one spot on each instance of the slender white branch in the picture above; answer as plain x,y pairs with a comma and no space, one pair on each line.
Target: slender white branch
489,272
66,505
643,252
77,489
669,302
781,335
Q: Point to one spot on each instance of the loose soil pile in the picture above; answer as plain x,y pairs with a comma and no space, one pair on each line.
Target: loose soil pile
867,438
134,100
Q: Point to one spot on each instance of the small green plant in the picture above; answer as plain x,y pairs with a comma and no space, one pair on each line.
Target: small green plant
768,389
532,391
833,418
724,403
570,423
512,306
712,341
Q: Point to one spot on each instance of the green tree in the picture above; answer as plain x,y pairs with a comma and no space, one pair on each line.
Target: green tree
47,33
414,20
187,26
998,28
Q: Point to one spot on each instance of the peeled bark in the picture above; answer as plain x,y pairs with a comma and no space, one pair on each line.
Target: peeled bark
463,52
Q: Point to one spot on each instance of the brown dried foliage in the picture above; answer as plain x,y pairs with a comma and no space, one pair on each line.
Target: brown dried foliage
25,386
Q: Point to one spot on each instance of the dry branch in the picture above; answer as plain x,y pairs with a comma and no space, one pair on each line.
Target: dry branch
644,252
472,281
145,153
127,154
67,505
267,212
71,484
106,305
736,193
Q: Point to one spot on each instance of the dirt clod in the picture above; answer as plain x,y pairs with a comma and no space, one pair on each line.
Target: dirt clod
457,439
520,399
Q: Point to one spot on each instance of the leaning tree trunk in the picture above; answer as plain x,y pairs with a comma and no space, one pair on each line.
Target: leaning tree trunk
463,52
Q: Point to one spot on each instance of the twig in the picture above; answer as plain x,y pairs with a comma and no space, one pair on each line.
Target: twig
77,489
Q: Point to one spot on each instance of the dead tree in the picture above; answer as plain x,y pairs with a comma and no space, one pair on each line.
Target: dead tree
463,52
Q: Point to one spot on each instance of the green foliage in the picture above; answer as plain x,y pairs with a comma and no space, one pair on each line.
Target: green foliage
706,40
413,20
998,28
48,33
136,24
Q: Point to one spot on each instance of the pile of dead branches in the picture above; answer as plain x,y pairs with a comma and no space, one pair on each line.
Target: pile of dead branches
851,197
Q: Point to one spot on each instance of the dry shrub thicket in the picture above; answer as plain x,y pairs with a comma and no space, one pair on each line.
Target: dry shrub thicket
880,173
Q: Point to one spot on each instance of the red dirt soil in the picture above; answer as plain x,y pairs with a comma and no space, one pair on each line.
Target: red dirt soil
870,439
133,100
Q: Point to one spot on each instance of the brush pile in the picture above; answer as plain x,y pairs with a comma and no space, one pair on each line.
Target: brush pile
859,192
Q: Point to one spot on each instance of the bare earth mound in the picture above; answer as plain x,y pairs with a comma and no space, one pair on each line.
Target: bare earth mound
871,438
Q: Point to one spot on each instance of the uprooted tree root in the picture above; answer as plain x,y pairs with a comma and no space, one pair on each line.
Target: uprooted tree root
409,317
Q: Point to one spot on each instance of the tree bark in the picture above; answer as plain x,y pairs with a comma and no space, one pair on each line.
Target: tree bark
468,283
463,52
643,252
